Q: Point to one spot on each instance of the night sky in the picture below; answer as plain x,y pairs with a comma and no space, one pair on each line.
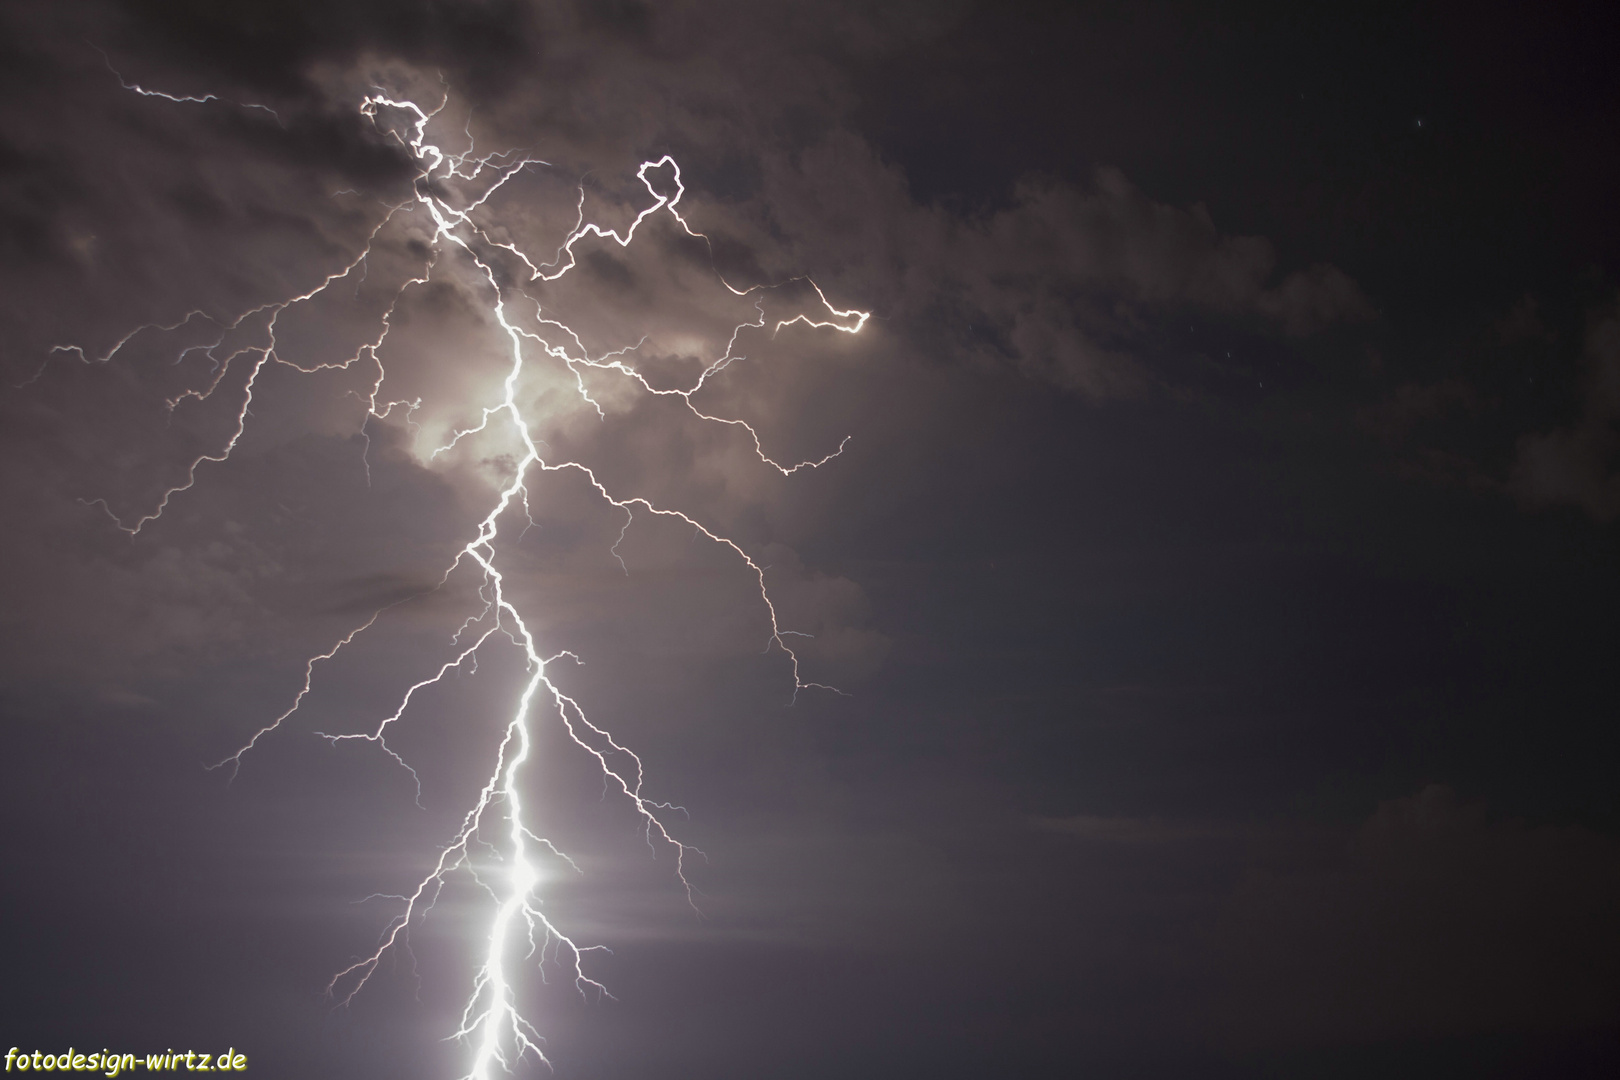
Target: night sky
1221,572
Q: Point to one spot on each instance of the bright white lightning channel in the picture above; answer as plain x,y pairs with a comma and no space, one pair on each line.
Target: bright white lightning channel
499,1036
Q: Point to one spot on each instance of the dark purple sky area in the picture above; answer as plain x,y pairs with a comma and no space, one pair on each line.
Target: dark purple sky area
1222,568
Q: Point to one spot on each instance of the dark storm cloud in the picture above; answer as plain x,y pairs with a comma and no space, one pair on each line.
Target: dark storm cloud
129,211
271,45
1433,922
1580,464
1428,920
1058,283
1061,284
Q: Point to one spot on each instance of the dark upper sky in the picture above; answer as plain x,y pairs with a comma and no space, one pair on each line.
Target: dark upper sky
1222,566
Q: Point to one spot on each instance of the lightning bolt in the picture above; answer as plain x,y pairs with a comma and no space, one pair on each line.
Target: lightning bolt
499,817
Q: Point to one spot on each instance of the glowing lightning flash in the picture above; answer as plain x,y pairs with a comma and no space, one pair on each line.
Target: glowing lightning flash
490,1021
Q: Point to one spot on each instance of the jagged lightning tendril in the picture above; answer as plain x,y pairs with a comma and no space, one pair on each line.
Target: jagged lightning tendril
499,1036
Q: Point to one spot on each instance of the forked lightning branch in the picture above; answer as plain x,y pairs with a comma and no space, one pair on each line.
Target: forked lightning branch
452,198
